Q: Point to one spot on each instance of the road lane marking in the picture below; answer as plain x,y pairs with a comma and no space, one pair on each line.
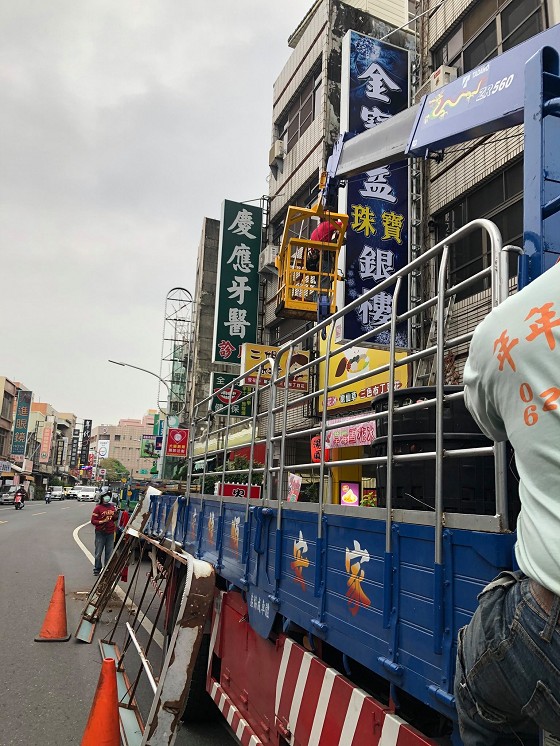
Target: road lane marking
148,626
43,513
67,507
3,521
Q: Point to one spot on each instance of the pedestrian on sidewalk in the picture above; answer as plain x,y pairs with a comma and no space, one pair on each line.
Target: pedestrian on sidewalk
103,518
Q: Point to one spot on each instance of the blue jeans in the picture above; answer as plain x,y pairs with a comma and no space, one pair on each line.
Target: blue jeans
507,682
103,542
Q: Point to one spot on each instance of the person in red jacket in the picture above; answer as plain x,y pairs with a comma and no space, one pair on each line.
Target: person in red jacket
103,518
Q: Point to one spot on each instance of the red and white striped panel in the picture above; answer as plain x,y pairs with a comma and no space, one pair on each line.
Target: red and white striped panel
238,724
317,706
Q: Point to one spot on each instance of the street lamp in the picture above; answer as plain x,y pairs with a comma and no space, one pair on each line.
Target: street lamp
155,375
149,372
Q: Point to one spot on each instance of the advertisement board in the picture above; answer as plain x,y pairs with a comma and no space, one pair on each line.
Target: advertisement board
221,399
21,422
46,442
103,448
148,446
177,442
237,286
230,489
346,366
375,87
350,493
86,435
253,354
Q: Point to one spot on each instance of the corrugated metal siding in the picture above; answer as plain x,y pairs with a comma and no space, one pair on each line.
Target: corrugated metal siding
445,17
308,149
446,186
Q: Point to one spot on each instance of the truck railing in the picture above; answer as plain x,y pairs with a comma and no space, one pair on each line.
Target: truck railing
274,406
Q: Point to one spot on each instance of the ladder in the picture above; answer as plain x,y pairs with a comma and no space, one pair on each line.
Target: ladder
425,373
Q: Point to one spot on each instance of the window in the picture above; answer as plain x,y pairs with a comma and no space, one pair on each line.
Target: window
117,437
7,406
499,200
301,112
489,28
4,442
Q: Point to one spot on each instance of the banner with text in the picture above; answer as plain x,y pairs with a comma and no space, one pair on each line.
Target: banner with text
177,442
237,286
46,442
86,435
253,354
374,88
23,409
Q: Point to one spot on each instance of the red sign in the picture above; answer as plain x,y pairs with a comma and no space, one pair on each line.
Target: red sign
177,442
238,490
317,454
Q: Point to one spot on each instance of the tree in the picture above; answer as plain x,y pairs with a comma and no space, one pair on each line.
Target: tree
115,470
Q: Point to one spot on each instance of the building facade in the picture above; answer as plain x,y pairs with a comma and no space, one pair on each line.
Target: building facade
125,440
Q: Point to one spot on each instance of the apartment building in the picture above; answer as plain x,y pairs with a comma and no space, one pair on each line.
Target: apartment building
124,443
482,178
306,118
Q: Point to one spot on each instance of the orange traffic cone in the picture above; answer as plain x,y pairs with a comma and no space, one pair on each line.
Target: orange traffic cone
54,626
102,727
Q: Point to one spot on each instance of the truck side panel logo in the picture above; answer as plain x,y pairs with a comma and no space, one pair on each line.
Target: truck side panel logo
234,534
300,562
355,594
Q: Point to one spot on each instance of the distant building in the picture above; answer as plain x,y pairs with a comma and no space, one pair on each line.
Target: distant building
124,443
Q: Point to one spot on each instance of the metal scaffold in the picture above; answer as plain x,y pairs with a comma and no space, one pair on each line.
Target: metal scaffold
176,351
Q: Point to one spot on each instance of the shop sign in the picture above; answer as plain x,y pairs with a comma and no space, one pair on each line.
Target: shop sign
237,286
23,409
375,84
347,435
177,442
253,354
46,442
86,435
233,392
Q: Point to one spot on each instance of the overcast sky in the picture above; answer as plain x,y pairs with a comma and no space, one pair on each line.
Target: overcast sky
123,124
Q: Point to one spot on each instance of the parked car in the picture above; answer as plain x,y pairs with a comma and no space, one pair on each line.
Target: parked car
86,493
72,493
8,494
57,493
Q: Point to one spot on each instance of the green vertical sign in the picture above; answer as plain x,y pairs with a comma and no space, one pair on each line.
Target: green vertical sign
237,287
221,401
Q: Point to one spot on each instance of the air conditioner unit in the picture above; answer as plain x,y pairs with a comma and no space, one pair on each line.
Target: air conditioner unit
442,76
276,152
267,257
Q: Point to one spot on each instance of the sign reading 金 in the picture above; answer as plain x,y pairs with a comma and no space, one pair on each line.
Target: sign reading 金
237,287
375,83
20,425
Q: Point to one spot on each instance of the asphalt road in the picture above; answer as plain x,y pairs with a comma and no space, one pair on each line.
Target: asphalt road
47,688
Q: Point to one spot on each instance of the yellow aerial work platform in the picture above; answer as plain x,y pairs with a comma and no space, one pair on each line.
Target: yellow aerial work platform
307,269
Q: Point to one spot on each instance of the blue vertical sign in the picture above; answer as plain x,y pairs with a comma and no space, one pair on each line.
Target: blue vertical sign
375,77
19,438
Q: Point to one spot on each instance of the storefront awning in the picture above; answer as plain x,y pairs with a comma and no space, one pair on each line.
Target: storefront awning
379,146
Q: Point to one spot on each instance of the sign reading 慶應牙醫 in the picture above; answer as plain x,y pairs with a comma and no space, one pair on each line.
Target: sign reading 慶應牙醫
237,287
